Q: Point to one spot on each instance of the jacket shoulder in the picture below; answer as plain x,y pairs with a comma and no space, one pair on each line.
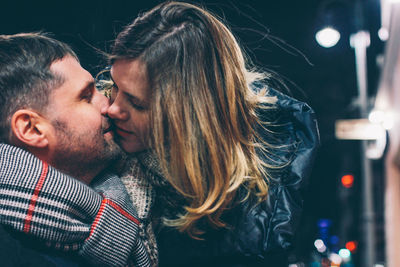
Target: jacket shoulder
268,228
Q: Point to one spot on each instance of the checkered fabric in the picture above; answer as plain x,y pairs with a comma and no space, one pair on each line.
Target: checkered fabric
66,214
141,192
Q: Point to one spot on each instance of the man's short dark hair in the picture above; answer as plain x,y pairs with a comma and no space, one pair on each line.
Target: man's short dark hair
25,77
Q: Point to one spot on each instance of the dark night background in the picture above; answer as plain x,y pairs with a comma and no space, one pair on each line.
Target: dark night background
324,78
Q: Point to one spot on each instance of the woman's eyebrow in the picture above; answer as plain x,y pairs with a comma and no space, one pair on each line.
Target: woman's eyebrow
134,98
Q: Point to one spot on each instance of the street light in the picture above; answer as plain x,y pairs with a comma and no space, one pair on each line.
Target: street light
327,37
329,16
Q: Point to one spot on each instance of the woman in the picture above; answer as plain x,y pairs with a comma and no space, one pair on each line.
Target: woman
225,155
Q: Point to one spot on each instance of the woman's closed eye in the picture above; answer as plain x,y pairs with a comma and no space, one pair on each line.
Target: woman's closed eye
135,103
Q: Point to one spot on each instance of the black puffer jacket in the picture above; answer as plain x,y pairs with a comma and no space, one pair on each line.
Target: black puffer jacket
260,235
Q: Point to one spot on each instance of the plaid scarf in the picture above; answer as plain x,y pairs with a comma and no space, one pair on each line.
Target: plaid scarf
66,214
137,183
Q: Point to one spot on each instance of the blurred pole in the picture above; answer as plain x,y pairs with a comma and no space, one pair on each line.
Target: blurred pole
360,42
388,100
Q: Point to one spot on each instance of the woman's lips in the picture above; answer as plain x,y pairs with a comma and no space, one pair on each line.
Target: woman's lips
122,132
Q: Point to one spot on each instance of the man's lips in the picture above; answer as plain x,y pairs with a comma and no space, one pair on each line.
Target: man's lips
108,129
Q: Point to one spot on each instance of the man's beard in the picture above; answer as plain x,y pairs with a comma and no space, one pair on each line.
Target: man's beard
85,155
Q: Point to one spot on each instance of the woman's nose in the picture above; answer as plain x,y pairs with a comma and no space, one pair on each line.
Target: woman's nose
115,112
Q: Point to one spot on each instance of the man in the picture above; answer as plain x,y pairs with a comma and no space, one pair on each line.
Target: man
52,117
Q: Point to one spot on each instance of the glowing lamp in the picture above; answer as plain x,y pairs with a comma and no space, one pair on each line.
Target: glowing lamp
344,253
352,246
348,180
327,37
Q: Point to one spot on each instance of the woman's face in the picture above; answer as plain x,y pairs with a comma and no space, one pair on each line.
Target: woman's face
129,107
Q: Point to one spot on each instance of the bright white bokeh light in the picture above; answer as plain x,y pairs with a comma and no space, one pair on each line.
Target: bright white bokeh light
376,116
383,34
386,119
335,258
388,124
344,253
319,245
327,37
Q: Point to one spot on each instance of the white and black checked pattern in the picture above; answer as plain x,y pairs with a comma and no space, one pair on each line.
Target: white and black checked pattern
67,214
141,193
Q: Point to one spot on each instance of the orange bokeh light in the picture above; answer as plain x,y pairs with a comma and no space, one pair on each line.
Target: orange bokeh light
351,245
347,180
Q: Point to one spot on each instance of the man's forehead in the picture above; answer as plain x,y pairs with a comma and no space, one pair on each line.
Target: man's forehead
72,74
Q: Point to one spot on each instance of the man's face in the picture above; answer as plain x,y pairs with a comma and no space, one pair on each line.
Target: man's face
81,143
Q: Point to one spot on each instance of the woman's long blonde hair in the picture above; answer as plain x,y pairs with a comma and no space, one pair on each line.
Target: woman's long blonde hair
203,113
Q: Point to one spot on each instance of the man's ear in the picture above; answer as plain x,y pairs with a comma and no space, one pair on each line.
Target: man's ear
30,128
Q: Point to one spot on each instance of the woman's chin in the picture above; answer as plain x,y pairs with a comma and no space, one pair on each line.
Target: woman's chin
132,148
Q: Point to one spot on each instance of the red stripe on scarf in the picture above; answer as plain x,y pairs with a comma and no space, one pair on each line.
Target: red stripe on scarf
115,206
32,203
122,211
96,220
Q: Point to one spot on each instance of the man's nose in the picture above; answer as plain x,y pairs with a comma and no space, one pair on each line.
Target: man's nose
101,102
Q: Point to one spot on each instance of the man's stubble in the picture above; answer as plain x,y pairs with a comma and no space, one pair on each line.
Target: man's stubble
83,155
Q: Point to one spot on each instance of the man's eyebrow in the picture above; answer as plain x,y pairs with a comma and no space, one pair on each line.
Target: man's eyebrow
89,87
